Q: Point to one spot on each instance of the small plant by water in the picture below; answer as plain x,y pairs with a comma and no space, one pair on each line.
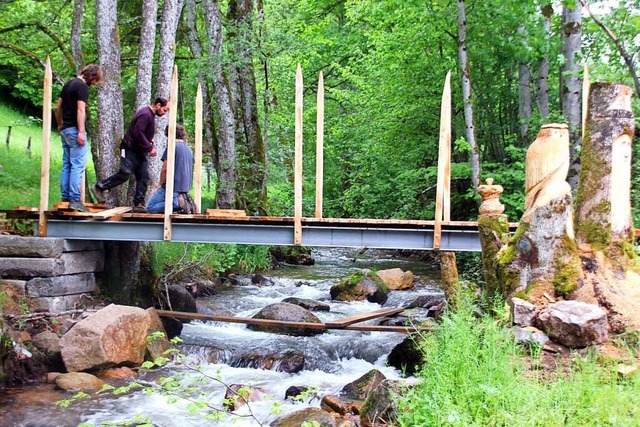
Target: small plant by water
475,375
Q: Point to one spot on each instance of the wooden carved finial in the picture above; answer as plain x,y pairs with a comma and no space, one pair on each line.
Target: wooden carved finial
491,198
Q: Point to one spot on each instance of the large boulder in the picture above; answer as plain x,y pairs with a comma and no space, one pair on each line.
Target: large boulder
406,356
181,299
112,336
523,312
396,279
309,415
308,304
78,381
284,311
574,324
363,386
360,287
381,407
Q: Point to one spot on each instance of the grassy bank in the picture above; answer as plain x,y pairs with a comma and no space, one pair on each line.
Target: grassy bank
474,375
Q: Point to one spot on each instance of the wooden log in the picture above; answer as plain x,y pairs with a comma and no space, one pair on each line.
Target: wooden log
297,214
198,154
171,154
341,323
46,139
280,323
320,147
226,212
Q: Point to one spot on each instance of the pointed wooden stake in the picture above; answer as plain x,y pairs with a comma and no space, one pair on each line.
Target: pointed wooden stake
319,146
198,153
171,154
297,214
46,150
443,209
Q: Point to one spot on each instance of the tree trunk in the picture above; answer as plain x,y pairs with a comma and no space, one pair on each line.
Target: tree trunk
466,94
542,83
166,57
76,32
604,208
571,85
524,101
122,260
226,189
253,197
196,50
146,49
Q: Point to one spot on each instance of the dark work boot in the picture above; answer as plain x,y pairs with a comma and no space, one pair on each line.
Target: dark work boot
98,194
139,208
78,206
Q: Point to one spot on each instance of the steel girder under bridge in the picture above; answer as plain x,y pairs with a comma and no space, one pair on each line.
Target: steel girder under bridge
460,236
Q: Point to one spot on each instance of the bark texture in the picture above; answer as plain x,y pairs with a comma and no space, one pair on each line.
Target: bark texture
571,87
542,83
76,33
226,189
146,49
463,61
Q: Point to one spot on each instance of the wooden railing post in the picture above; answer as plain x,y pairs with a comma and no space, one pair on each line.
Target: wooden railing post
320,146
297,214
171,154
198,153
46,153
443,208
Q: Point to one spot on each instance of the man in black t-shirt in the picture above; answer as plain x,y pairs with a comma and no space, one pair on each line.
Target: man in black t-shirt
71,118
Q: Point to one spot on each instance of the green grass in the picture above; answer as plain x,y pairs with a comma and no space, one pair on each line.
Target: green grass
474,375
20,173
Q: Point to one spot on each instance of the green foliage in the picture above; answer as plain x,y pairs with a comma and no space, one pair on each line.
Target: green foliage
473,375
210,258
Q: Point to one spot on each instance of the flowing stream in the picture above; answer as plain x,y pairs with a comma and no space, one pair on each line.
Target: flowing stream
331,360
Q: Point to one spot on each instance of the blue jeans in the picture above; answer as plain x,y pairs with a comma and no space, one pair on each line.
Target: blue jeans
156,201
74,162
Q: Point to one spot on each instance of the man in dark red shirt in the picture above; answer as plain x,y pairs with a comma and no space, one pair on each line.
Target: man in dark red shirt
71,117
136,145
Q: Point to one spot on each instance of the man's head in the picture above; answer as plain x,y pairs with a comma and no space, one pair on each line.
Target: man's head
181,133
160,106
92,74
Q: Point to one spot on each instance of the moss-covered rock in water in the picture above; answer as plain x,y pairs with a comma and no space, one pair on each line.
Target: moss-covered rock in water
358,287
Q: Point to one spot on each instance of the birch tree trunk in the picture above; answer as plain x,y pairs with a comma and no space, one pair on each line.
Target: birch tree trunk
166,57
542,83
76,32
122,259
226,188
196,50
466,94
146,49
253,197
571,85
524,92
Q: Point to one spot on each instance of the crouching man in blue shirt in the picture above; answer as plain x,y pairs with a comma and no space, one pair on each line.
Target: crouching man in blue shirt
182,179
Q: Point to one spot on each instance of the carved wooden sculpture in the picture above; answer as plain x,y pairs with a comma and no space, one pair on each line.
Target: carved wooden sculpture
546,168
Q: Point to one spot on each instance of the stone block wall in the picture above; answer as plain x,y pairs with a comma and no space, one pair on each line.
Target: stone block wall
54,273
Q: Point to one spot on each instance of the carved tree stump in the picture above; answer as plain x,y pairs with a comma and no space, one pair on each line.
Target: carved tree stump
604,194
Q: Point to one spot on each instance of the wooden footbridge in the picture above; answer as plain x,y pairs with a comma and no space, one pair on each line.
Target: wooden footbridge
229,226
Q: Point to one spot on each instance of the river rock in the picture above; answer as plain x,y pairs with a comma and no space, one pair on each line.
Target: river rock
181,299
49,344
308,304
340,405
574,324
295,391
112,336
203,288
121,373
396,279
157,346
406,356
284,311
410,317
172,326
381,406
363,386
238,395
78,381
530,335
290,361
358,287
308,415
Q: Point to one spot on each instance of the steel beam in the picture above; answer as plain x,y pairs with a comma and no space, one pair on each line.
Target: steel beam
257,234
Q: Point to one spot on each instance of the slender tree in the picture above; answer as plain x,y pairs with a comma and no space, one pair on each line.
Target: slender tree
226,193
465,75
571,87
146,49
76,32
524,91
542,82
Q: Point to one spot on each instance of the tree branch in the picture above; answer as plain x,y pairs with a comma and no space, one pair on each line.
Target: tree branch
35,58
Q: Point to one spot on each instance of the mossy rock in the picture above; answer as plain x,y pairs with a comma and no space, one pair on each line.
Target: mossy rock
359,286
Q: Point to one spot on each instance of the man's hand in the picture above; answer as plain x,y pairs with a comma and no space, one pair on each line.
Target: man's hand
153,152
82,138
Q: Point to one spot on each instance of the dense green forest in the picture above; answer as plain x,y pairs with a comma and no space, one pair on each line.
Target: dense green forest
384,64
